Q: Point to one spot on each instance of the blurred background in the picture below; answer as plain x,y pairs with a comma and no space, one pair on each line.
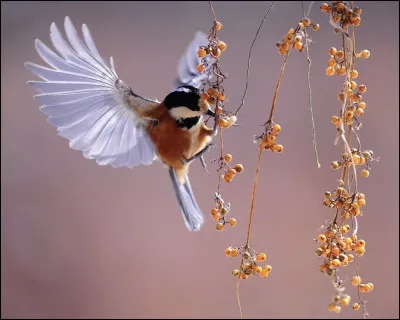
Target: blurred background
83,241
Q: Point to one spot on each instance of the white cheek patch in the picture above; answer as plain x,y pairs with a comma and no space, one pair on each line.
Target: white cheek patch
183,112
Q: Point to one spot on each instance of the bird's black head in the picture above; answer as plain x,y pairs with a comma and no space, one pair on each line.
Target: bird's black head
185,102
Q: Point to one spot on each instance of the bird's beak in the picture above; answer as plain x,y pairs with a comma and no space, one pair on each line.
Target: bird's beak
209,112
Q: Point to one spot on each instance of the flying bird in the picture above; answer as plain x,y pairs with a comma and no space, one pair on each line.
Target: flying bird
100,115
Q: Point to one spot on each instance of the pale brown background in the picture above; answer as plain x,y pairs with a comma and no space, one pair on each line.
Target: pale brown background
80,240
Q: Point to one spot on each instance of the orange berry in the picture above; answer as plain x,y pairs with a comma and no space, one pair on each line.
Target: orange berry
201,53
345,302
331,62
324,6
218,25
221,97
232,222
234,253
276,128
365,54
362,88
204,96
223,123
299,46
365,173
223,211
362,158
361,243
332,51
228,178
321,238
330,71
214,211
356,280
243,276
216,52
335,119
362,105
217,216
278,148
228,251
201,68
264,273
316,27
359,111
356,306
268,268
228,157
220,226
231,172
238,168
306,22
261,257
354,74
222,46
339,54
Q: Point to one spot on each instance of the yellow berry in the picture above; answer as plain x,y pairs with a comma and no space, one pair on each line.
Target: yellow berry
235,272
222,46
218,25
337,309
362,105
228,157
321,238
345,302
268,268
356,280
238,168
228,251
371,286
361,202
336,262
223,211
330,71
335,119
361,243
365,173
232,222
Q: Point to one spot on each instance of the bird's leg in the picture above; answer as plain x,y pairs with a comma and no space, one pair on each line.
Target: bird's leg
199,155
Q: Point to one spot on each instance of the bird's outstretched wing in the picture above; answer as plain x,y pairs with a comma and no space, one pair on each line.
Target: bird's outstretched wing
187,66
84,98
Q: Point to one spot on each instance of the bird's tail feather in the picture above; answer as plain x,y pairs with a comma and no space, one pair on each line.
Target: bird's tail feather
191,212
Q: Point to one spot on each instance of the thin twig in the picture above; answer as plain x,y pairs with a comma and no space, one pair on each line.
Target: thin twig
212,10
271,115
249,58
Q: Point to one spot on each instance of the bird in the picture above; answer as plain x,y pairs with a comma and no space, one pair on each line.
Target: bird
101,116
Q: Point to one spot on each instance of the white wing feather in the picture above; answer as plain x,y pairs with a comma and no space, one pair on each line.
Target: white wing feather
187,66
83,97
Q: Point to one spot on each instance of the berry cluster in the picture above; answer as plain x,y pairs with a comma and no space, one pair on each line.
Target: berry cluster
295,37
339,245
268,139
357,157
250,262
220,213
342,15
214,48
